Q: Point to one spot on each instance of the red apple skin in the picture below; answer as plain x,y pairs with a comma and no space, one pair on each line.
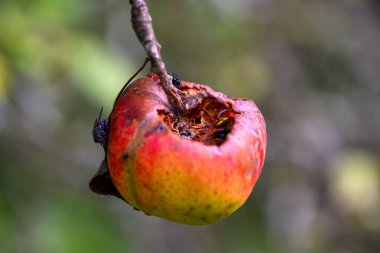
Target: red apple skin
178,179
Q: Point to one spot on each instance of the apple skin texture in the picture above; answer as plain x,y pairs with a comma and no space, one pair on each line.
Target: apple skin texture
178,179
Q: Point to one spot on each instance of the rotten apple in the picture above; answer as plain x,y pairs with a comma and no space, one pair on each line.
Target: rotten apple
194,166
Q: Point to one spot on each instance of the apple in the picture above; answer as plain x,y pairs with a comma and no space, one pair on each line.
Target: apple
194,166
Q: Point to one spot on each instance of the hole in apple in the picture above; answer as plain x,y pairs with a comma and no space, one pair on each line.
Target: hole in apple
209,122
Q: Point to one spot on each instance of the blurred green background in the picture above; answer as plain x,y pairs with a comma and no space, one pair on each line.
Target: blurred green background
311,66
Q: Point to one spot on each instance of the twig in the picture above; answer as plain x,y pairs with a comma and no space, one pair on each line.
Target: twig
142,25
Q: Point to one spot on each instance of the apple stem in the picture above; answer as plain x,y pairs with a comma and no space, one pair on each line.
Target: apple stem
142,25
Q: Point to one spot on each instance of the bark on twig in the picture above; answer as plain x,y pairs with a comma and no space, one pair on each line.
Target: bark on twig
142,25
